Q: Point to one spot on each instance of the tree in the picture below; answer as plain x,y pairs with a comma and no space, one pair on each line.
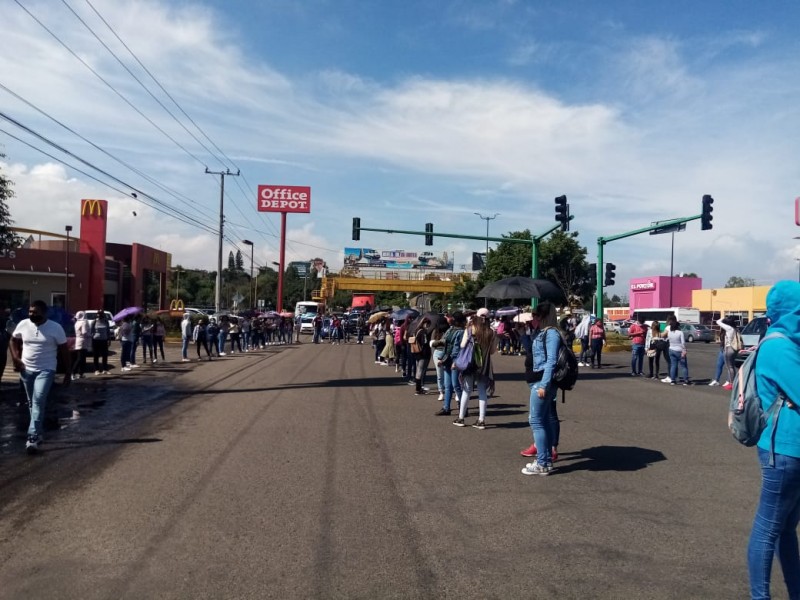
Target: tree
8,239
239,261
737,282
231,261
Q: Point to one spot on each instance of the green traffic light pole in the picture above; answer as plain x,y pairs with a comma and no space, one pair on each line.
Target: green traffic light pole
533,242
602,241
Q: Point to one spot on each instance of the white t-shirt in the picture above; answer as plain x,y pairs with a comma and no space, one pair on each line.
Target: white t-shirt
40,344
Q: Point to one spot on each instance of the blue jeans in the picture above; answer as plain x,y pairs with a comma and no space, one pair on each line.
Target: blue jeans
246,338
185,347
451,384
637,358
775,526
37,386
223,337
543,422
720,364
676,358
125,353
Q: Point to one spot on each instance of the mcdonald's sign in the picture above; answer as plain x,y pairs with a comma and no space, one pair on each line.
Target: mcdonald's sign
92,208
176,305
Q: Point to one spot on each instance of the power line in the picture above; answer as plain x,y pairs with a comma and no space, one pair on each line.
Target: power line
111,87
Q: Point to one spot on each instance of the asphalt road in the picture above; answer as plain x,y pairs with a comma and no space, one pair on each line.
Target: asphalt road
310,472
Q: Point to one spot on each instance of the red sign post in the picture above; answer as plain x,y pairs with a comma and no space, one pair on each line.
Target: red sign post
283,199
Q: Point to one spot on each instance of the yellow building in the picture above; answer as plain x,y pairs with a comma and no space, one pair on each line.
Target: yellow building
741,302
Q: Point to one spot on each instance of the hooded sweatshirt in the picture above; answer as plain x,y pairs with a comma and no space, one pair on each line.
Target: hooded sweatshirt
778,365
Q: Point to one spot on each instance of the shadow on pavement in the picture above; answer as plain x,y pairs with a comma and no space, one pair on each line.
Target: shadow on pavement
608,458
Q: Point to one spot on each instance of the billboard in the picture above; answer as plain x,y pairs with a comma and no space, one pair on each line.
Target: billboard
284,198
370,258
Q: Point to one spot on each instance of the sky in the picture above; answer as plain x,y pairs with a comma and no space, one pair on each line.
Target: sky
408,112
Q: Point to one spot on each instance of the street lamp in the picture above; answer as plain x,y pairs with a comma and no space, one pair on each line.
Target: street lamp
249,243
68,228
487,219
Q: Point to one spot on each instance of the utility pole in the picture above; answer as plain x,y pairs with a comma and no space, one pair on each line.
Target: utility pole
218,292
487,219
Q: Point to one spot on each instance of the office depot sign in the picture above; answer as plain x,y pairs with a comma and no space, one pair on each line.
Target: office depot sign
284,198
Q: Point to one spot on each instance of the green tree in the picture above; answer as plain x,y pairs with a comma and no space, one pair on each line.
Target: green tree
8,239
239,261
231,261
737,282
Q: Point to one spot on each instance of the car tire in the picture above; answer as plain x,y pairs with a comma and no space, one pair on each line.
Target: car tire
690,339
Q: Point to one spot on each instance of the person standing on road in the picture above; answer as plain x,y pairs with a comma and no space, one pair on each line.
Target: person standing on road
582,333
126,344
452,345
637,333
83,338
728,325
35,348
186,336
541,353
136,336
653,343
100,330
224,327
422,345
778,513
597,334
147,339
200,337
482,377
212,333
159,332
677,352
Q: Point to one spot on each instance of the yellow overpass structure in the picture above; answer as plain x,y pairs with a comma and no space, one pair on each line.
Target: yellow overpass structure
390,282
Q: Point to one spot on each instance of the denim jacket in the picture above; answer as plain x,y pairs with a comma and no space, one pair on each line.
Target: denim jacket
539,359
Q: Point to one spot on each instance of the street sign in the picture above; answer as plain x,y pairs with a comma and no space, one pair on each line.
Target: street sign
260,303
668,228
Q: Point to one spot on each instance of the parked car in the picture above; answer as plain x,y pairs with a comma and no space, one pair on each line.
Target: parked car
751,336
697,333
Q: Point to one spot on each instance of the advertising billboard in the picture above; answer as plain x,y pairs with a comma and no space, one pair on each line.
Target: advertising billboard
284,198
370,258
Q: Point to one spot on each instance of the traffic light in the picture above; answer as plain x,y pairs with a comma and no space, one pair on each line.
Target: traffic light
593,274
706,218
562,212
610,275
429,234
356,228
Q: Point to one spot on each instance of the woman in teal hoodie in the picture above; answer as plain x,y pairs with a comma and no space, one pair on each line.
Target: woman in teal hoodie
775,526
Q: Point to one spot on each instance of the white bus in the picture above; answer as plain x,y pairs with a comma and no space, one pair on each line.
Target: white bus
307,310
306,306
684,315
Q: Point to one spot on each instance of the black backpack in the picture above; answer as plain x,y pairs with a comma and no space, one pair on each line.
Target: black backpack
565,373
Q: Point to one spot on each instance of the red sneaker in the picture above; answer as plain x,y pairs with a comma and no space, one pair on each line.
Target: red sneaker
554,454
530,451
727,386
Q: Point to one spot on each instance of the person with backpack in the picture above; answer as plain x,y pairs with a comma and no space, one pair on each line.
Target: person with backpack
420,345
452,345
732,345
479,373
541,354
778,513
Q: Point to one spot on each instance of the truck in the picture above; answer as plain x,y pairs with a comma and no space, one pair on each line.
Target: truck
362,301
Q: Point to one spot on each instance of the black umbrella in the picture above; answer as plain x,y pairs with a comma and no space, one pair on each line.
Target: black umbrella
436,320
401,314
523,287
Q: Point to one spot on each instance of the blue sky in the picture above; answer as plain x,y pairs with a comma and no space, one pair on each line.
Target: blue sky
403,113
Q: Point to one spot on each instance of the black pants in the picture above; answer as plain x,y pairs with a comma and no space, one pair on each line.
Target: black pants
100,351
204,344
158,344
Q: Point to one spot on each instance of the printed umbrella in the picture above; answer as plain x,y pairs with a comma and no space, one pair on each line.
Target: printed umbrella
523,317
286,314
523,287
126,312
375,317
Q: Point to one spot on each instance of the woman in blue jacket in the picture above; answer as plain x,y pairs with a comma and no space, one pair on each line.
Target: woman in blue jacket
775,526
541,352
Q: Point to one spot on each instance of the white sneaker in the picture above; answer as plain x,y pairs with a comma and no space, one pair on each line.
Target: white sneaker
97,372
221,354
666,380
135,366
441,397
580,364
726,383
713,383
125,369
155,360
185,360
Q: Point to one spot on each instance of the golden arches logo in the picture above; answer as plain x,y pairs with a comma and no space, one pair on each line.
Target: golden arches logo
92,208
176,305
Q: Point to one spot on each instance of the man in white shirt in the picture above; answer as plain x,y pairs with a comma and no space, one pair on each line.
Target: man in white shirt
35,346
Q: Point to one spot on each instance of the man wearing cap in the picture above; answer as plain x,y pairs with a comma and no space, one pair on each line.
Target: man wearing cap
35,348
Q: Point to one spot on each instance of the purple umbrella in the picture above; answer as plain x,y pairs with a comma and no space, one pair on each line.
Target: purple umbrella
126,312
